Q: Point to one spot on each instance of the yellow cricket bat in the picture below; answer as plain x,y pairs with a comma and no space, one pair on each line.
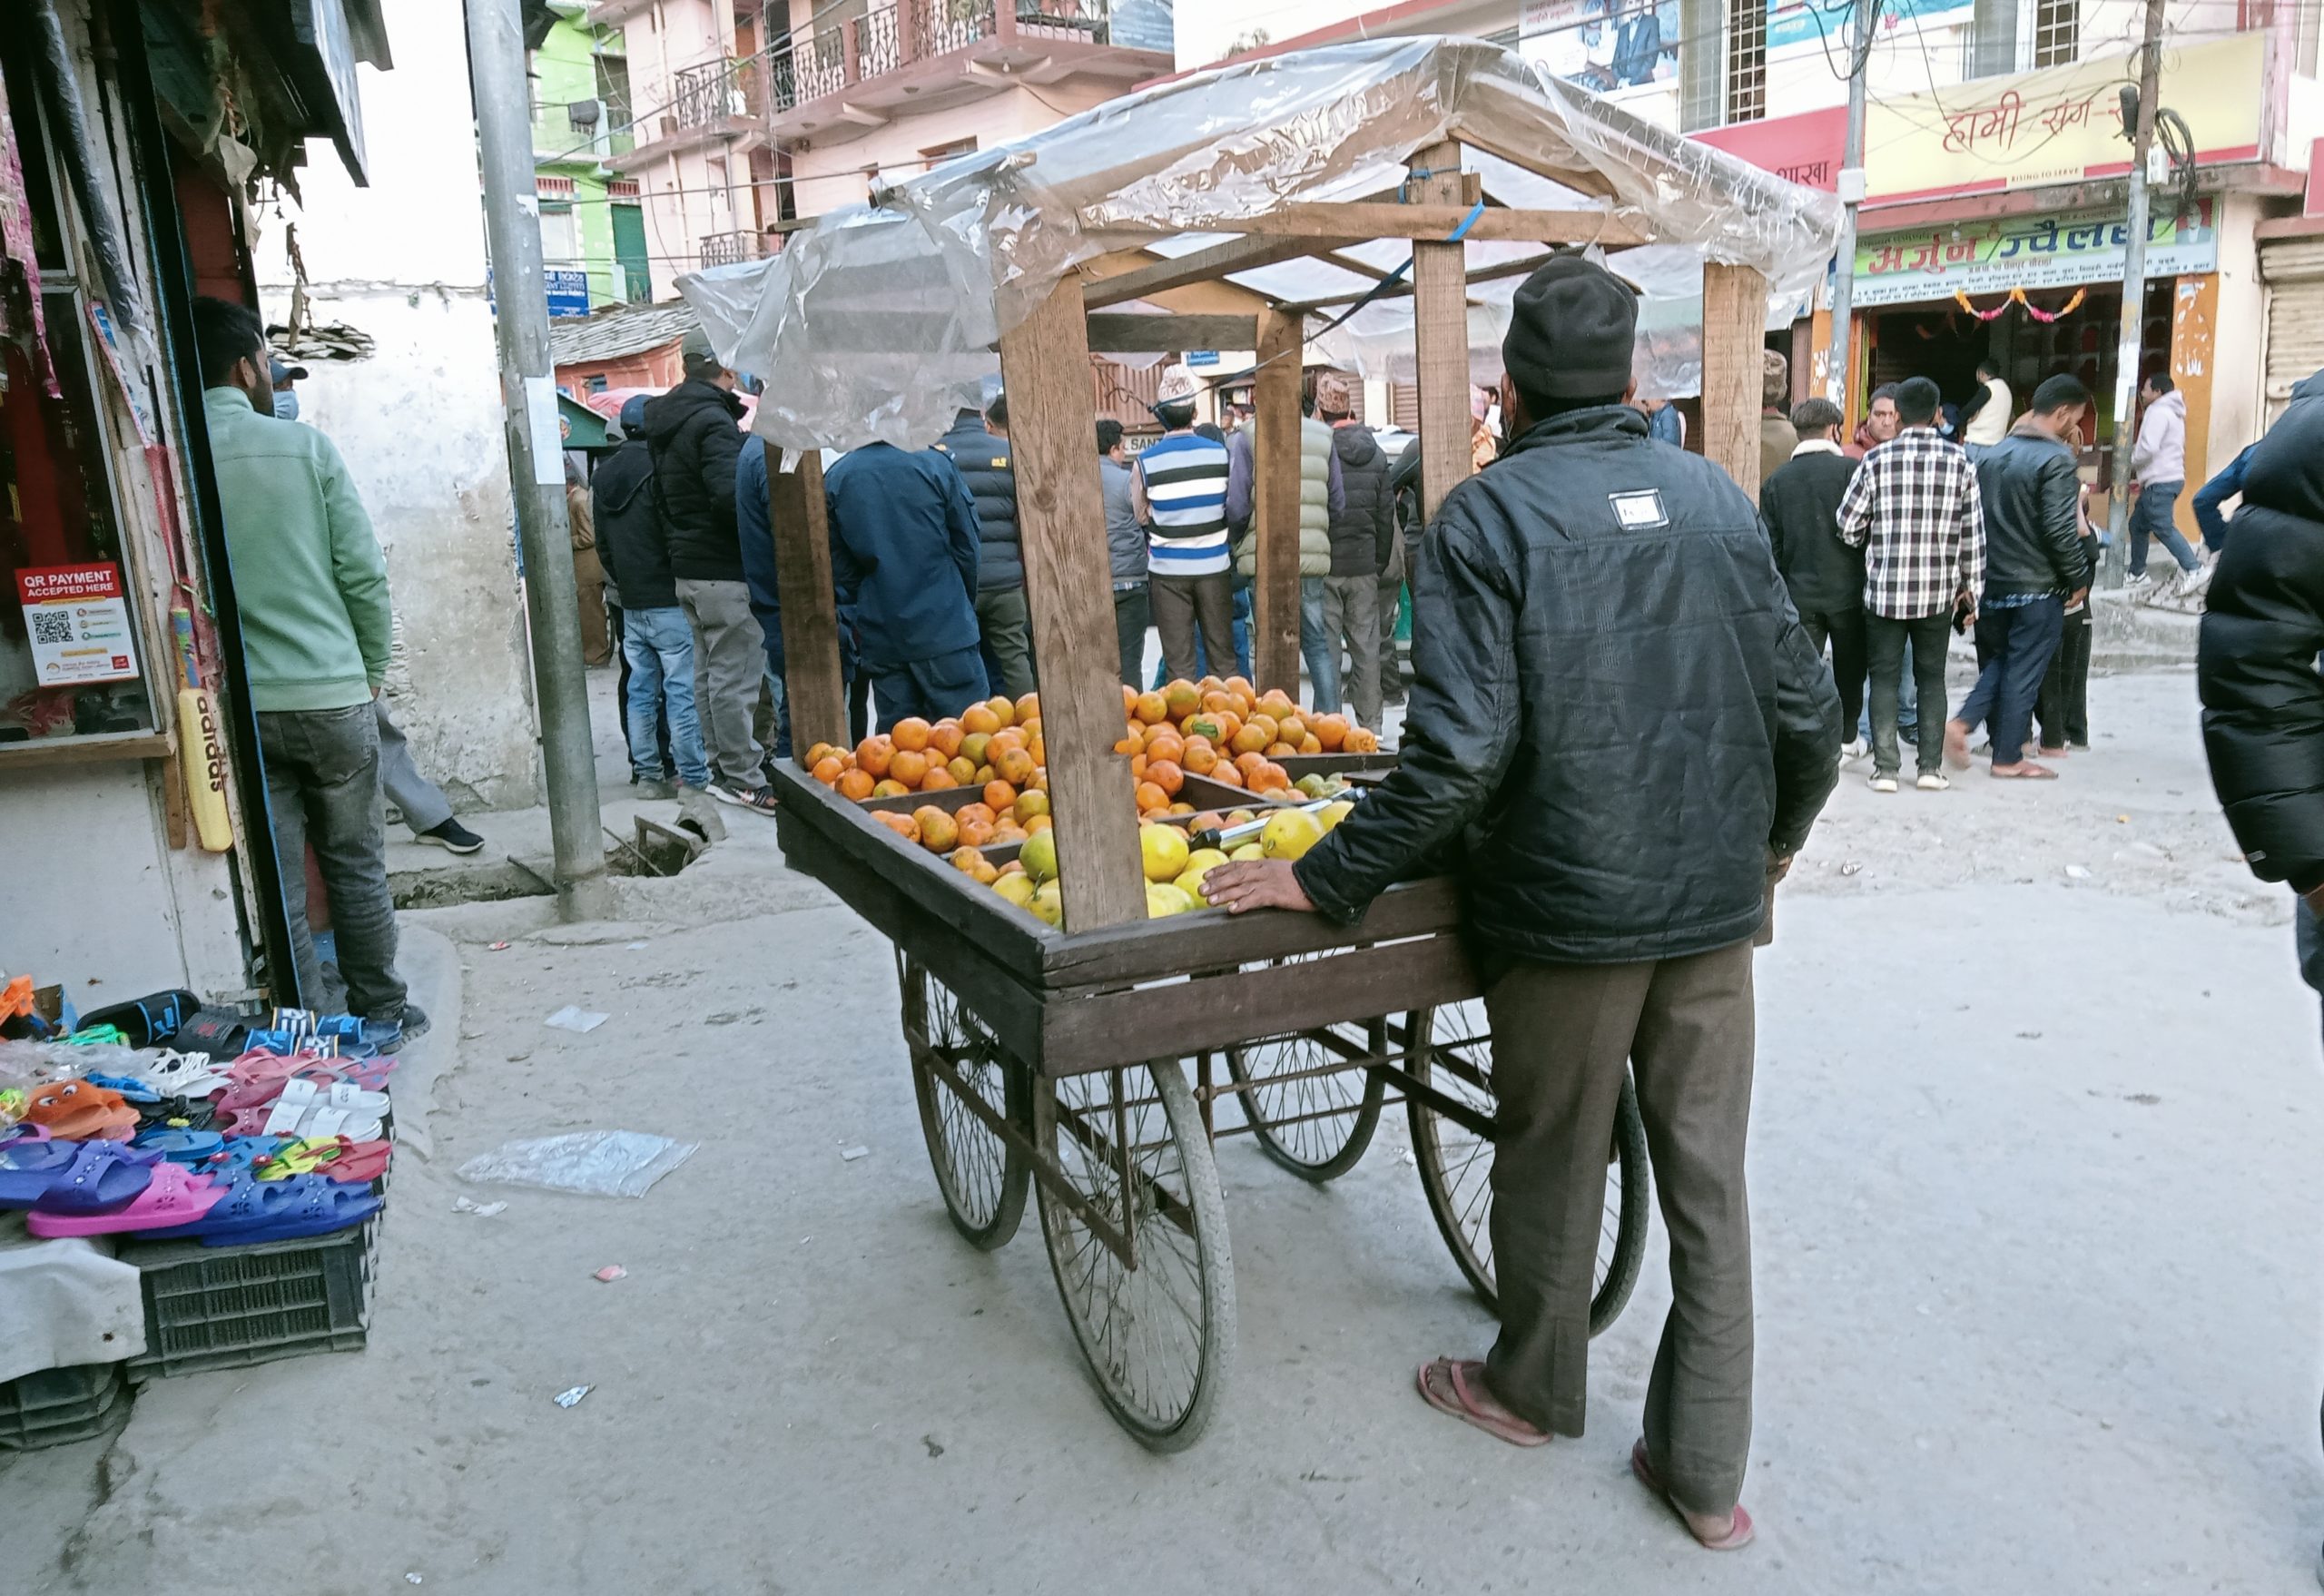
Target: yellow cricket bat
202,752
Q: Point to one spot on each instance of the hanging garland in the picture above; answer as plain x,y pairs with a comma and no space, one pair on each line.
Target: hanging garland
2016,296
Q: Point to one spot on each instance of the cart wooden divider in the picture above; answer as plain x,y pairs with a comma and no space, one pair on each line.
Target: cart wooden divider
1033,1048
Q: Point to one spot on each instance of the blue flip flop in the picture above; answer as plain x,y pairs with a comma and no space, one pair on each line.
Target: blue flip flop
277,1211
195,1148
132,1088
88,1177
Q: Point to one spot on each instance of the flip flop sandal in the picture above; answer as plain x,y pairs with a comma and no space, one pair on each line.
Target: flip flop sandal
193,1149
1458,1401
219,1032
74,1110
358,1163
131,1089
1735,1540
174,1197
278,1210
307,1109
187,1075
30,1164
100,1177
241,1154
303,1157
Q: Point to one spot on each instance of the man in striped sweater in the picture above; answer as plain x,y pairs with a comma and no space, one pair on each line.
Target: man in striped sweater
1179,492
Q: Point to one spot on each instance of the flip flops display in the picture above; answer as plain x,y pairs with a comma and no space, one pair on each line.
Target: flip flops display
74,1110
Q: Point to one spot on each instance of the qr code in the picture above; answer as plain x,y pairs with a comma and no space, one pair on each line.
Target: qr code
51,628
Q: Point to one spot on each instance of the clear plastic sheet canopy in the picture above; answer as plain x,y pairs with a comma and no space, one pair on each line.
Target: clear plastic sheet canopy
877,323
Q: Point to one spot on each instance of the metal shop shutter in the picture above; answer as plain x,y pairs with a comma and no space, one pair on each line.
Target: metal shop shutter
2293,270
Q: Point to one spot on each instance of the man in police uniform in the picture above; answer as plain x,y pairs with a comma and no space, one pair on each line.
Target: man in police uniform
1620,722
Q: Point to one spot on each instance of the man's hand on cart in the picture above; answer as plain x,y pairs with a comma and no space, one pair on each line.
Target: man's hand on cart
1255,883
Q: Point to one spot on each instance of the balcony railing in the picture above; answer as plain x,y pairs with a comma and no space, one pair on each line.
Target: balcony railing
723,249
824,60
703,95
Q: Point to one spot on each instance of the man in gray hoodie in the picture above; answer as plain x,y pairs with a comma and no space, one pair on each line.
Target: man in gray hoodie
2158,473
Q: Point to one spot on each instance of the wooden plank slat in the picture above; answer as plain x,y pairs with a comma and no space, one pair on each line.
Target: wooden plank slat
1236,255
1421,220
1158,949
1061,517
812,684
1584,180
1441,337
1105,1028
1735,315
1496,273
1123,333
1275,503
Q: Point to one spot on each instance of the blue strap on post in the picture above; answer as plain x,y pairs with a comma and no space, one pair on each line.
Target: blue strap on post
1468,221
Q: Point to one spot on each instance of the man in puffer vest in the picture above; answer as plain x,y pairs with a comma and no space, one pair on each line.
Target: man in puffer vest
1363,534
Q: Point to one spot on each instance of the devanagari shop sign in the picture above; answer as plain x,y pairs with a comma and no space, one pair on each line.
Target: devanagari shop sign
2031,253
2061,125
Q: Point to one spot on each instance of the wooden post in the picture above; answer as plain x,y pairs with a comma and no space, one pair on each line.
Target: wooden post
1061,525
1275,502
812,685
1440,336
1735,318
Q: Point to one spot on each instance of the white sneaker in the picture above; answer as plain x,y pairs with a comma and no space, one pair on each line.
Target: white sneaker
1881,783
2196,580
1854,748
2134,583
1932,783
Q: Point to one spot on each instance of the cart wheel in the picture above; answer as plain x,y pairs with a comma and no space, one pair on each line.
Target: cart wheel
982,1178
1452,1051
1157,1333
1315,1125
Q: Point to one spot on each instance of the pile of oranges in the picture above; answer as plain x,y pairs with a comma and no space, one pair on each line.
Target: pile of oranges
996,743
1226,730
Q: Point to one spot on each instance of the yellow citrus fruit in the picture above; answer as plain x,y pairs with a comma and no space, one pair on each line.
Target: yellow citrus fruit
1048,903
1248,851
1162,900
1290,834
1330,814
1163,850
1017,887
1039,856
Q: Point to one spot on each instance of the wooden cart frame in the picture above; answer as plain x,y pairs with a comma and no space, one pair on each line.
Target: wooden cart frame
1033,1046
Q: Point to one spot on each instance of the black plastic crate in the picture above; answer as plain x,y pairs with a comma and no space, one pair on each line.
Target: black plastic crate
227,1308
50,1407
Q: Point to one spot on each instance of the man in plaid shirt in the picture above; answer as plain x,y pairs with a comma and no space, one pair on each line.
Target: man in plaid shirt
1914,509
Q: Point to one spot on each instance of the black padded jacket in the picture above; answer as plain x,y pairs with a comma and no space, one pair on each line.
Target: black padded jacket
2027,485
1615,712
697,438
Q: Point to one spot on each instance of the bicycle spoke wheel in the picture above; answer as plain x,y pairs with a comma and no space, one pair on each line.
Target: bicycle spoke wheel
1158,1335
1310,1112
982,1178
1451,1050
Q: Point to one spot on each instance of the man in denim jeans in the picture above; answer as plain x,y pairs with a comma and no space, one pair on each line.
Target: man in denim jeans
655,639
313,588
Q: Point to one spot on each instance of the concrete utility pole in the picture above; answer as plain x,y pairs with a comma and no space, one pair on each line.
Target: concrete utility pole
1851,187
2130,347
536,453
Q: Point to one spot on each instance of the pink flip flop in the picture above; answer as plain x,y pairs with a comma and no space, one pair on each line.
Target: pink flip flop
1735,1540
1463,1404
174,1197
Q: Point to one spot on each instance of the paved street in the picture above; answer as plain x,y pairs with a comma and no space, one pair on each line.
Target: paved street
2036,1263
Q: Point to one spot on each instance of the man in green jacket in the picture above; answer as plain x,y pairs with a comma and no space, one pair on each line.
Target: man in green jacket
313,588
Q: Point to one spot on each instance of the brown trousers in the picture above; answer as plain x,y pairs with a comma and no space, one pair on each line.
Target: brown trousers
1562,1033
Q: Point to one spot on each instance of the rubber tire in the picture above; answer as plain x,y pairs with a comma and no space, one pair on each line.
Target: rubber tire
1613,1294
993,1231
1215,1368
1359,1137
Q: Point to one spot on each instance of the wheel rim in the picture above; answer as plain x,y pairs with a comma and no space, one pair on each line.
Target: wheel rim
1314,1123
1148,1332
973,1165
1456,1164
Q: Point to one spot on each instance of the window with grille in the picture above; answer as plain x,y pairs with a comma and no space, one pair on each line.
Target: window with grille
1747,60
2057,32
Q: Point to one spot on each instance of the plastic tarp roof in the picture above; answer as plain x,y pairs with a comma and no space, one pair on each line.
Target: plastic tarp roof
880,321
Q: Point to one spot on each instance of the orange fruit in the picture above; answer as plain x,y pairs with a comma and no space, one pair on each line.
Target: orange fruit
1289,728
1264,722
965,858
975,834
1132,740
903,825
1182,809
1277,750
1239,684
1014,767
1199,757
962,769
889,788
1007,737
1310,744
1041,782
1006,833
998,795
936,779
1229,723
909,765
910,733
984,776
827,770
945,737
1271,777
1202,724
1003,710
1149,707
1039,751
979,718
1036,825
938,831
1028,707
1216,700
1253,738
1360,740
1276,703
1182,698
818,753
1166,776
1227,775
1137,764
1151,797
1154,734
973,746
1331,731
975,811
1129,699
873,753
1012,866
1249,760
855,784
1029,807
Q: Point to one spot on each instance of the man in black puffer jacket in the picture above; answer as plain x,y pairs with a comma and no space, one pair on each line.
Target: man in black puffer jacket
1616,707
1364,533
695,432
978,446
2256,665
2033,574
658,715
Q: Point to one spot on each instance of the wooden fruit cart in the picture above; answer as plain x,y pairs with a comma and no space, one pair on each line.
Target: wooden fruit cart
1034,1049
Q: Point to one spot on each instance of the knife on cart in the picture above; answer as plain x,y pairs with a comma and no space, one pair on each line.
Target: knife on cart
1227,837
